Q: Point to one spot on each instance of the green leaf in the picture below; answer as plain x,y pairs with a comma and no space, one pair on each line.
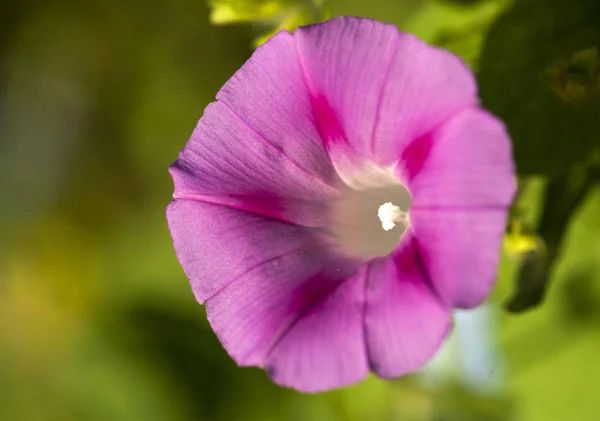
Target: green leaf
564,195
456,403
272,15
539,72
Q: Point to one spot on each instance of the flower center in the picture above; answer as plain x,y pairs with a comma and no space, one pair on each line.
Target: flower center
370,222
389,214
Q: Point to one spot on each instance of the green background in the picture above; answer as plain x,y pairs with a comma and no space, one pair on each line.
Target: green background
97,320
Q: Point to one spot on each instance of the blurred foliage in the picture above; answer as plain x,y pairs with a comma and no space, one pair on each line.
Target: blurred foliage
460,404
540,73
276,15
563,196
97,321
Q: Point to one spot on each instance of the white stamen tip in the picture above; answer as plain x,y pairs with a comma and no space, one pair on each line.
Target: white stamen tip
388,215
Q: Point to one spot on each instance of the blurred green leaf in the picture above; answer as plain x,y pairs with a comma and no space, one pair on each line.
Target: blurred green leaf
459,404
462,2
563,197
273,15
539,73
229,11
458,28
580,294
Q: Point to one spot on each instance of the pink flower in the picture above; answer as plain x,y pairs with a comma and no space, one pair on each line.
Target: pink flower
343,194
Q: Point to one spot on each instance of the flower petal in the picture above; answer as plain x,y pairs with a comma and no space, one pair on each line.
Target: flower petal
345,62
405,322
460,250
274,279
376,89
466,163
325,348
217,245
225,162
269,96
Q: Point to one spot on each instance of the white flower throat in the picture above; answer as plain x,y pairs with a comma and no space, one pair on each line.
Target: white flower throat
370,221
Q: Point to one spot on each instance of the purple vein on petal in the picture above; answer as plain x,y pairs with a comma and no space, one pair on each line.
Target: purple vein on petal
241,206
423,268
386,77
277,148
417,150
327,122
457,208
415,155
259,265
294,319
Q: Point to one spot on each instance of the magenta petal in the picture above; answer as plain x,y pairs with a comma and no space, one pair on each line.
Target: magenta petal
268,303
426,86
460,250
325,348
225,162
345,63
466,163
384,87
217,245
269,95
405,322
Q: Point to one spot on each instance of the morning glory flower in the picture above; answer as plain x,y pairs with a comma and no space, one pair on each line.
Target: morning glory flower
343,194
